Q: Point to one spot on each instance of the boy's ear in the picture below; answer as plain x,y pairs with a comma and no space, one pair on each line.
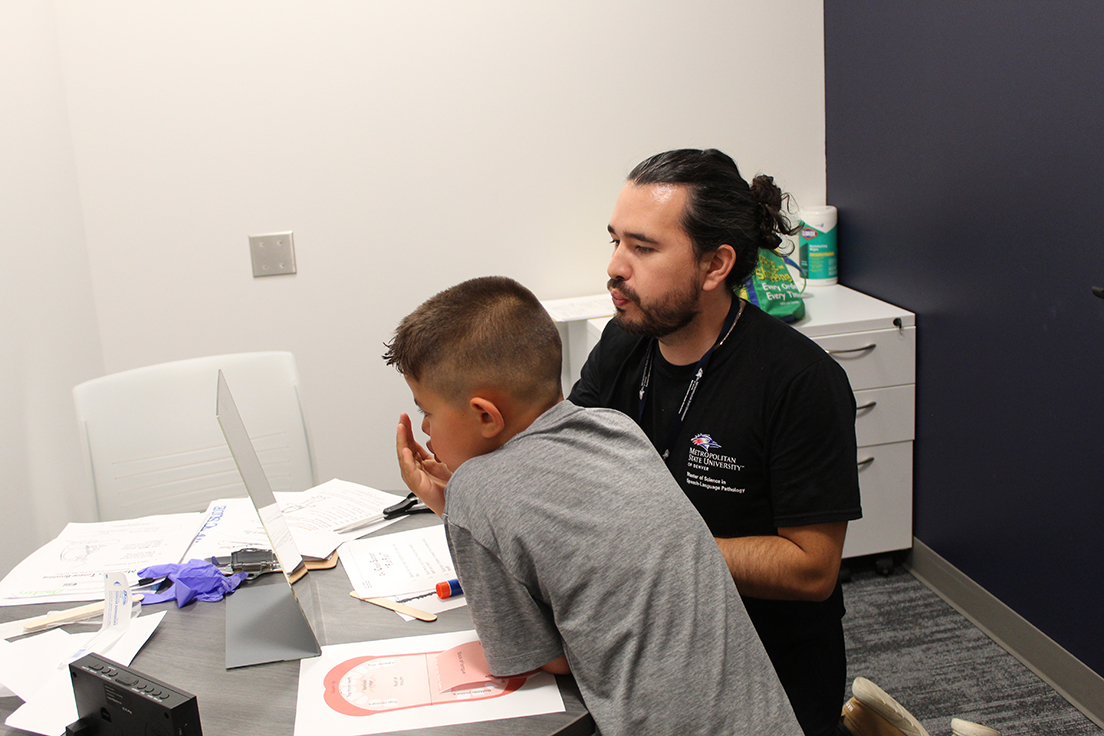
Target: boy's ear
490,419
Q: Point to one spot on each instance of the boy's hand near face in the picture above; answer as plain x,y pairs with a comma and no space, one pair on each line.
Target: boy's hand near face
423,475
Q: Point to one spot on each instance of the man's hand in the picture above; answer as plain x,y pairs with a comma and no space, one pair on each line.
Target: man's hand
421,472
800,564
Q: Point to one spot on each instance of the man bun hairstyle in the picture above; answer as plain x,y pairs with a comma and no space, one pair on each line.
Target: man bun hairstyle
721,207
485,333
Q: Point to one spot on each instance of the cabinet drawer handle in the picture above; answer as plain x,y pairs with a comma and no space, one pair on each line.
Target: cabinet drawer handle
865,463
864,348
867,405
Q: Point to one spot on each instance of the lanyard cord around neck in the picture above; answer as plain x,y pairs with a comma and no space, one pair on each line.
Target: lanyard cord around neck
731,319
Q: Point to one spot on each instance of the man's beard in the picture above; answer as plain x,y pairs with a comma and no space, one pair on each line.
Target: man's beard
670,314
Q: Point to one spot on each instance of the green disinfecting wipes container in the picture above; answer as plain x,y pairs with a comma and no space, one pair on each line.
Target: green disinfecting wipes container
818,245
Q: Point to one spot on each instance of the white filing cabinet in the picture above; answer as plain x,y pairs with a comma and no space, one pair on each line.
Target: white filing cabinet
875,342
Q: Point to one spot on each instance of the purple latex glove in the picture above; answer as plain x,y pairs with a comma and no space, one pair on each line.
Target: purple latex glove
195,579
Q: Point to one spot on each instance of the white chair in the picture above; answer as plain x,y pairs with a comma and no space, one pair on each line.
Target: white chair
153,445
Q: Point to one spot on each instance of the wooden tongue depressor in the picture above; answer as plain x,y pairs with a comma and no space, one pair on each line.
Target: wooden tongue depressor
71,615
398,607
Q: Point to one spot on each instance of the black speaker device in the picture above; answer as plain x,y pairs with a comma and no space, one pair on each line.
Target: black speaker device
118,701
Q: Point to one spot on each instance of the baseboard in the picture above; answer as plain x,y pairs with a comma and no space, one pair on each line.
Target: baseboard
1070,677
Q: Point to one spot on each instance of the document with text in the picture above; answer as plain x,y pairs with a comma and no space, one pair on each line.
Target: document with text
400,564
72,566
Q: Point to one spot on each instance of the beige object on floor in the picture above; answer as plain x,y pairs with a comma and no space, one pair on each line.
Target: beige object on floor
871,712
960,727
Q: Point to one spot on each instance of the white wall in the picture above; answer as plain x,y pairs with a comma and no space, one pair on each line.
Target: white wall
409,146
49,338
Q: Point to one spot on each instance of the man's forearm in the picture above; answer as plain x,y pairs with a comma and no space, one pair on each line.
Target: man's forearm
801,564
558,666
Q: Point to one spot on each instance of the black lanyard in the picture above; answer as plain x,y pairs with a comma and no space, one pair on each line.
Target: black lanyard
731,318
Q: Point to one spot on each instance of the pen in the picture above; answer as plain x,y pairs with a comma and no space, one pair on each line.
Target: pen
448,589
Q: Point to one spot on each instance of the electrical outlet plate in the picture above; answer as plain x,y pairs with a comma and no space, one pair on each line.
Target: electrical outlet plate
272,254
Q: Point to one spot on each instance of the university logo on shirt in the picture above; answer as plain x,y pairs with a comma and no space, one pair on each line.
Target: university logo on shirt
712,470
704,441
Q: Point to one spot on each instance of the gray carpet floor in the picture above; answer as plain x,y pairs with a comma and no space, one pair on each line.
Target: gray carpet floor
938,665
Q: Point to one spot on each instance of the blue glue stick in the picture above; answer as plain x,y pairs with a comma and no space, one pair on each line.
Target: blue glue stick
449,589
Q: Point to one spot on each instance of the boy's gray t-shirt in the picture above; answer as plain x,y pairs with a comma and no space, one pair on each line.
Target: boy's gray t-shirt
573,538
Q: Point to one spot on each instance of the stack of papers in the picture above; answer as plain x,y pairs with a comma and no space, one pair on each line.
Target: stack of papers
313,516
71,567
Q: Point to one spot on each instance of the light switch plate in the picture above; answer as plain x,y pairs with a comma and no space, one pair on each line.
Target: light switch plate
272,254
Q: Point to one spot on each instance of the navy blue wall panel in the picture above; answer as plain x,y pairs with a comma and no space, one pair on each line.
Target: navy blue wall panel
965,146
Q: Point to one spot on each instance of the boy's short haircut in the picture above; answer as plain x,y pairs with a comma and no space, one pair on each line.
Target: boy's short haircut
486,333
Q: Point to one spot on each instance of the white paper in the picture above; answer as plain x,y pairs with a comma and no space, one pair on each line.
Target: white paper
333,504
71,567
401,564
578,308
26,664
316,514
30,666
231,523
287,552
315,716
117,611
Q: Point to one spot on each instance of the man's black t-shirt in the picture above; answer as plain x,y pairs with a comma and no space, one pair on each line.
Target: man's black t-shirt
768,440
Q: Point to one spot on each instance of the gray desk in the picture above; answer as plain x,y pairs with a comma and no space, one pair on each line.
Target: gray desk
188,651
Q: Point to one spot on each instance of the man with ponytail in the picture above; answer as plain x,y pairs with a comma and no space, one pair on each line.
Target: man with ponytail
755,422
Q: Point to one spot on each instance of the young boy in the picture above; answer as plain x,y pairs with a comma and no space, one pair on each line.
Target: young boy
576,549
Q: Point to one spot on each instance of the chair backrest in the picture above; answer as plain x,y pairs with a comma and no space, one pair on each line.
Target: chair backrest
153,445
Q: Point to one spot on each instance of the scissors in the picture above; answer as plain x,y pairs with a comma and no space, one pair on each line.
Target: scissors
409,505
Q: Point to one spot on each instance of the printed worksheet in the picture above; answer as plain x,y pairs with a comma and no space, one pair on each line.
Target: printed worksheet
413,682
72,566
400,564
